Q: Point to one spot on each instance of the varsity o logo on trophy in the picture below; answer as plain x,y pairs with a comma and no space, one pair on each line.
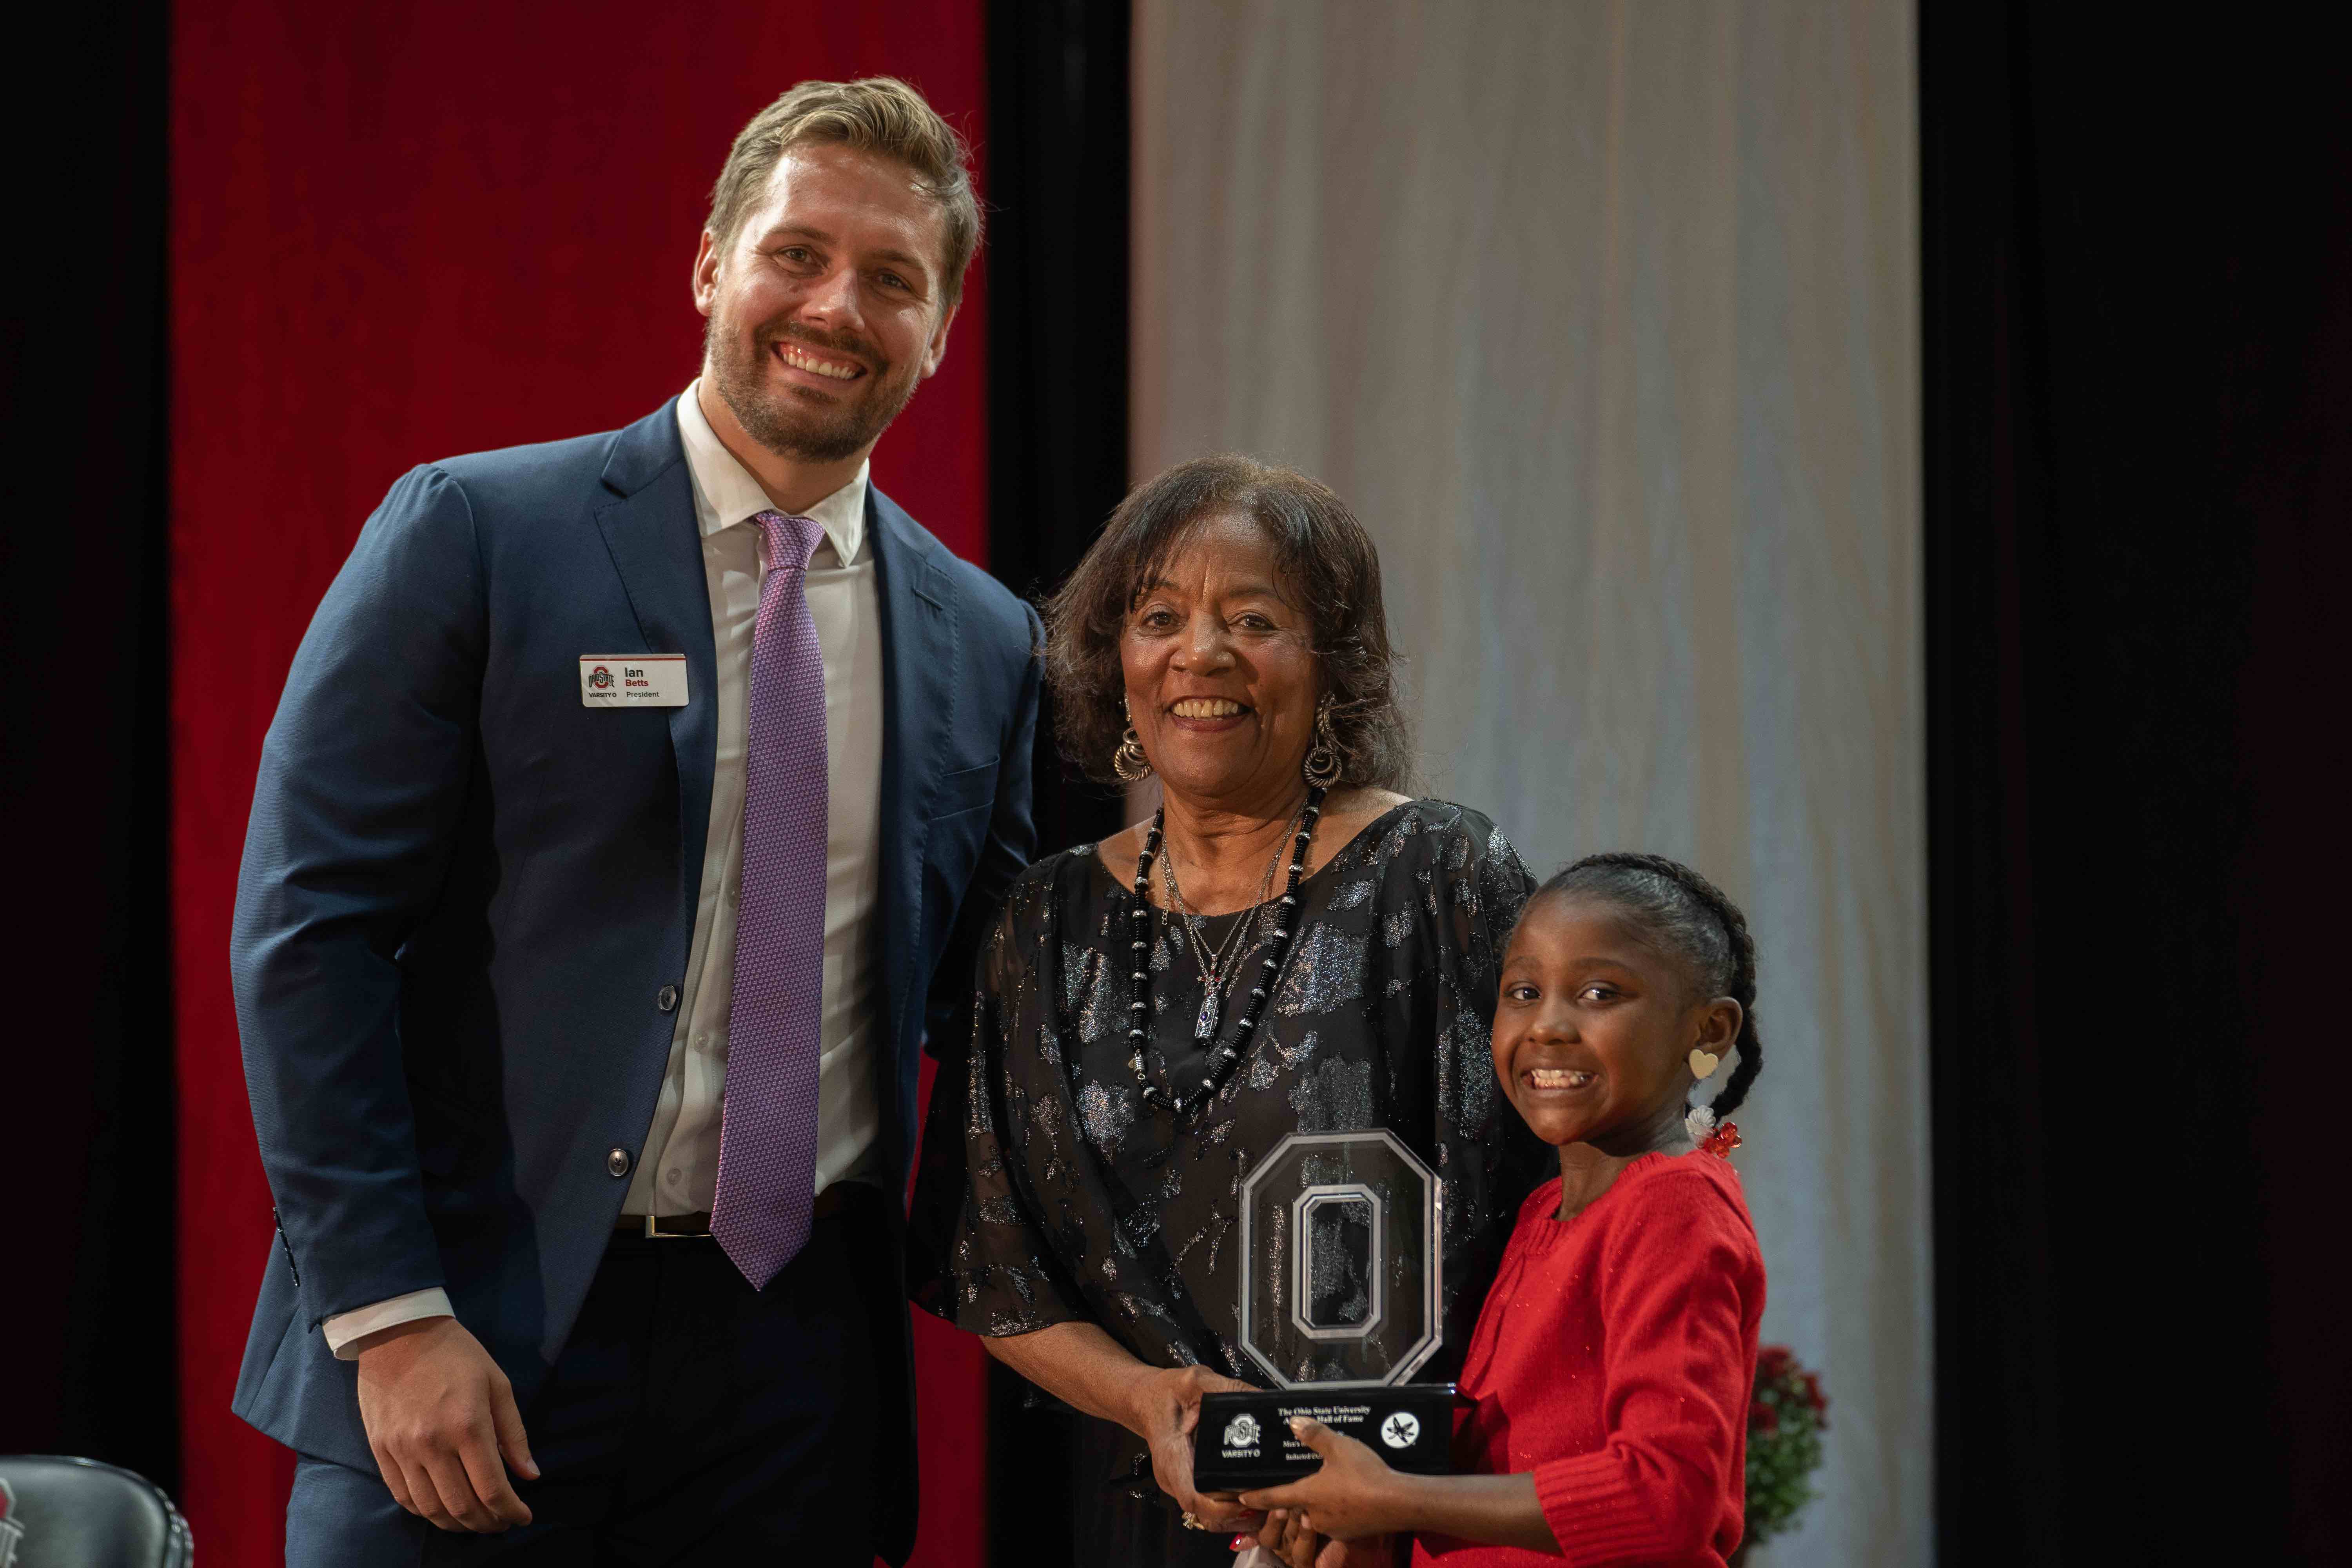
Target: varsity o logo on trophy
1340,1302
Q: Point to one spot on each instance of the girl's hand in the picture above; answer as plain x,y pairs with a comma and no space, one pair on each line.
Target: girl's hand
1168,1408
1288,1537
1355,1494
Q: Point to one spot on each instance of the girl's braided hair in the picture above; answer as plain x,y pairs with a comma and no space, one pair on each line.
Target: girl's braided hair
1689,916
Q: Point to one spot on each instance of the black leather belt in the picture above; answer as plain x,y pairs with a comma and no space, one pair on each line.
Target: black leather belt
697,1226
664,1228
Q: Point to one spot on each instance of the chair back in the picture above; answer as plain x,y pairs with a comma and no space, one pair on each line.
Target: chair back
57,1512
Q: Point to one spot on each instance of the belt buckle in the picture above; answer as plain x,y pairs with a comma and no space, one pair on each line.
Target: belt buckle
653,1232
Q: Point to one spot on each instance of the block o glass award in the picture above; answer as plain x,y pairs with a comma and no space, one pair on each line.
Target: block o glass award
1340,1302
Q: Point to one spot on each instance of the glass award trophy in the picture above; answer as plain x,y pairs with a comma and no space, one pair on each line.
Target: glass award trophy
1340,1306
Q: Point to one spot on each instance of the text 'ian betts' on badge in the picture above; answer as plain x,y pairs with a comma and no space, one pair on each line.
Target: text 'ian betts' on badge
632,681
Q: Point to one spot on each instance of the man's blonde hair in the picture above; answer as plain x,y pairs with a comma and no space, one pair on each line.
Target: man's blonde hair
876,114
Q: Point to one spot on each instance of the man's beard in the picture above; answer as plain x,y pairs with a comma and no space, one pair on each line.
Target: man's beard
789,421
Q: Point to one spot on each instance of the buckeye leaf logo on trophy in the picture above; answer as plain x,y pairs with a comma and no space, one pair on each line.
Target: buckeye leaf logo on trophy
1340,1302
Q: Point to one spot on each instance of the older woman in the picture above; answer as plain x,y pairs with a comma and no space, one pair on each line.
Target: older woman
1320,955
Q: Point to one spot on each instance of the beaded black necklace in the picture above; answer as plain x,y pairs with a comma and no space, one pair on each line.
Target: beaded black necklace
1226,1058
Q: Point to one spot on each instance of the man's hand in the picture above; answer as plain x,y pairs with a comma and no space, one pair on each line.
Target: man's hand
439,1414
1168,1407
1355,1494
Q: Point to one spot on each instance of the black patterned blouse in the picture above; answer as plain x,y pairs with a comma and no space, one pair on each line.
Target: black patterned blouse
1051,1193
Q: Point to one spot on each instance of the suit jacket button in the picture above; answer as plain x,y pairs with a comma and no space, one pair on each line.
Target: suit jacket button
617,1161
667,999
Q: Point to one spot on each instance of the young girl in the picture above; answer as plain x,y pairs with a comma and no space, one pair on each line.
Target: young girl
1613,1365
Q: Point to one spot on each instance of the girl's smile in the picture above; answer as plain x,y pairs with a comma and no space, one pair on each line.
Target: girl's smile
1594,1027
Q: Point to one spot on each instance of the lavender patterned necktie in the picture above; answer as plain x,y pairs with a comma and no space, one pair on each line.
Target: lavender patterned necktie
767,1131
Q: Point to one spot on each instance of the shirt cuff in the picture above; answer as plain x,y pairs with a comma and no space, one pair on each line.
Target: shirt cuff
344,1328
1595,1513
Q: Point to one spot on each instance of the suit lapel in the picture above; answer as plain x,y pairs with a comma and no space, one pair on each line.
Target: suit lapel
918,600
650,530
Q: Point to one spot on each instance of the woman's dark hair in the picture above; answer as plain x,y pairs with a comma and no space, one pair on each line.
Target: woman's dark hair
1325,557
1690,918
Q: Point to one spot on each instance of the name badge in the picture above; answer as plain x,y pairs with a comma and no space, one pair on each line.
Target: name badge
632,681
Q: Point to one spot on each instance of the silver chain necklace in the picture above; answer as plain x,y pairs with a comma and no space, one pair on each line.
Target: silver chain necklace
1213,964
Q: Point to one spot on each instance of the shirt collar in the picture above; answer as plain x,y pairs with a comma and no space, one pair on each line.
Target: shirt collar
725,493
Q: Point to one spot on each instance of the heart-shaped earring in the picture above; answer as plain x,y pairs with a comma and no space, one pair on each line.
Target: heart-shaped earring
1704,1063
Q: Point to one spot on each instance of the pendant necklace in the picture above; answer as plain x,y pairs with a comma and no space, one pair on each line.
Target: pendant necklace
1212,962
1226,1055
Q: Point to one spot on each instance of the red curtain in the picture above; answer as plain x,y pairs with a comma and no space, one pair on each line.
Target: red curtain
400,233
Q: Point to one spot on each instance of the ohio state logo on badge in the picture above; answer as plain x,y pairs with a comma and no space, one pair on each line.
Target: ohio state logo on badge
1241,1431
632,679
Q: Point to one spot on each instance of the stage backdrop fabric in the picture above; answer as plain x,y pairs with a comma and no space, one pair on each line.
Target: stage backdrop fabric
403,233
1604,319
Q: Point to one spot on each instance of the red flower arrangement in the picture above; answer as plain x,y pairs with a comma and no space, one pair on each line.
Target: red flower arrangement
1786,1417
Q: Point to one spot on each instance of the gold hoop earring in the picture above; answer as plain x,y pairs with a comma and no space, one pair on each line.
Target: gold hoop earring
1326,759
1129,762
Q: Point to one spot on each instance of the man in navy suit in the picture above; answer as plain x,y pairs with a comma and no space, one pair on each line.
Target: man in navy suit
632,811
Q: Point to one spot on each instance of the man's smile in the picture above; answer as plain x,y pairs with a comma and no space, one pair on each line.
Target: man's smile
816,362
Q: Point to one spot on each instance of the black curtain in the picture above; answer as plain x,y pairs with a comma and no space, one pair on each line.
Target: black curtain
1057,283
2138,472
1057,280
87,1101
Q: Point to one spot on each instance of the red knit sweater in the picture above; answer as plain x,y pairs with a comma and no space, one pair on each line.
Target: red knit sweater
1616,1358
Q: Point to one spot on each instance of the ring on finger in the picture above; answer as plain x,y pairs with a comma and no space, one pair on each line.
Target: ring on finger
1192,1522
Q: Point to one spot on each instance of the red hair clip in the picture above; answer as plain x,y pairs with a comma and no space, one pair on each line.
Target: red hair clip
1722,1141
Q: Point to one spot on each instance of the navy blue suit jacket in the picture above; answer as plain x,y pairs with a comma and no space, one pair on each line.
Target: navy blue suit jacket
465,894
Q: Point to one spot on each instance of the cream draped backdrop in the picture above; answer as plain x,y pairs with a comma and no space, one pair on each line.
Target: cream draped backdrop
1604,319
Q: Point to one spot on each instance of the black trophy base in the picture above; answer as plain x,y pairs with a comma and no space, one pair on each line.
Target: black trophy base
1244,1439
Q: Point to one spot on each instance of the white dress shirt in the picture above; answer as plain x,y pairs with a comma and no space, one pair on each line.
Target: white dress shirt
679,1173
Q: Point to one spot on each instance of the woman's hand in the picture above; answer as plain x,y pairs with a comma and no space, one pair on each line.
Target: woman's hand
1352,1496
1167,1409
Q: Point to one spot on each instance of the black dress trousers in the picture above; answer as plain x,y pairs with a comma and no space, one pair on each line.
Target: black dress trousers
690,1419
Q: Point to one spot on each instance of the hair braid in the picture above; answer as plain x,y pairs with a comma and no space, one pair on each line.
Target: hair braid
1688,913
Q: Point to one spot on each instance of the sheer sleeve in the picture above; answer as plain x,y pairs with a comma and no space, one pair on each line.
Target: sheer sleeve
979,1258
1480,886
1487,1159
